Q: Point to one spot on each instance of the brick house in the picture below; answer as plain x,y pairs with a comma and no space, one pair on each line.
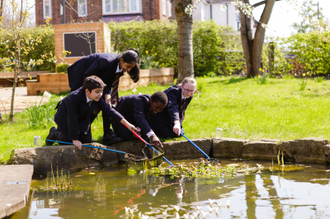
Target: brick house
105,10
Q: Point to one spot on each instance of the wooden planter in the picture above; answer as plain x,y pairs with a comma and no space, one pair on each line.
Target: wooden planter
57,83
53,83
159,76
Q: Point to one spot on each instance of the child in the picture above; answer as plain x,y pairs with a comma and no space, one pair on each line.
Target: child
74,112
109,67
137,109
168,124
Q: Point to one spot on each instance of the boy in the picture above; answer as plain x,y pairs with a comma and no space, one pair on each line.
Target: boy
74,113
137,109
168,124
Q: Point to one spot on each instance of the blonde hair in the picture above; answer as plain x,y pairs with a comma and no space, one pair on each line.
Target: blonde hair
189,80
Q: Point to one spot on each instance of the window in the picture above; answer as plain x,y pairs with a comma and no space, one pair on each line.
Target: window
164,7
120,6
169,6
47,9
82,8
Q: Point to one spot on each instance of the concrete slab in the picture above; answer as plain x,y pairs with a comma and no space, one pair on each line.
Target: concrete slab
15,183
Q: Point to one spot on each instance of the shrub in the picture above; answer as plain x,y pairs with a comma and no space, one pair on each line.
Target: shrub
62,68
157,42
46,45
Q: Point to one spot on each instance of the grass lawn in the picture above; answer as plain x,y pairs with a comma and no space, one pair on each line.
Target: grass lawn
240,106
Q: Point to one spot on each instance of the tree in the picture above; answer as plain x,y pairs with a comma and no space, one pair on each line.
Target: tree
310,16
22,46
184,11
252,43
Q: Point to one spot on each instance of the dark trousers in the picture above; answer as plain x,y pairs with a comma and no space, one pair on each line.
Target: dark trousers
106,121
121,131
166,131
60,136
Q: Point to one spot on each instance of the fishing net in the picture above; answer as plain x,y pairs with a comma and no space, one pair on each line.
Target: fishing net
154,155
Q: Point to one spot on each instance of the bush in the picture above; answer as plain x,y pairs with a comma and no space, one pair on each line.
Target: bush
46,45
62,68
157,42
301,53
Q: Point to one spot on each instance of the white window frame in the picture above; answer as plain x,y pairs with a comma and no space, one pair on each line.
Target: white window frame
50,9
138,8
169,6
80,11
164,7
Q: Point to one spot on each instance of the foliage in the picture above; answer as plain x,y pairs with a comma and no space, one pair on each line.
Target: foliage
238,105
62,68
262,79
41,115
44,46
148,62
310,14
302,53
60,183
205,169
302,84
157,41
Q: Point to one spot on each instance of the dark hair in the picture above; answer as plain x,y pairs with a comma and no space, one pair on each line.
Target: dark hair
159,96
92,82
132,56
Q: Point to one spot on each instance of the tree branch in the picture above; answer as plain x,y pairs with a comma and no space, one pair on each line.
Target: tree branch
262,2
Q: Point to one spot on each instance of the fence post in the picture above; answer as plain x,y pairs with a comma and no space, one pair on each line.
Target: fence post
271,57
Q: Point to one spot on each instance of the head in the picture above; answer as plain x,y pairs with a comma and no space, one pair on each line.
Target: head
94,86
158,102
188,86
129,62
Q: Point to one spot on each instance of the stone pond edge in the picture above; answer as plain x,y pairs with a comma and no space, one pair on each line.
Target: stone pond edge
68,157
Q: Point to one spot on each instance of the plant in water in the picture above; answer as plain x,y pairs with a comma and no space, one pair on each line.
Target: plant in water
205,169
61,182
40,115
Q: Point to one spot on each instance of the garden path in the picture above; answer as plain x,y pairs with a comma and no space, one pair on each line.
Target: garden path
22,100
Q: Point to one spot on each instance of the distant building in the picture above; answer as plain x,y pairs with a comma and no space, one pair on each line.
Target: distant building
221,11
105,10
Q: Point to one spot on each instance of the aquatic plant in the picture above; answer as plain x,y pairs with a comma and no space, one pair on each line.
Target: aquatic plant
61,182
205,169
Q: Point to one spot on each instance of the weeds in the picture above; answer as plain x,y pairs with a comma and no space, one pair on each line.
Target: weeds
60,182
40,115
319,79
262,79
302,84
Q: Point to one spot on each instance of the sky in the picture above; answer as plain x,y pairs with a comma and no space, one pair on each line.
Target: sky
284,15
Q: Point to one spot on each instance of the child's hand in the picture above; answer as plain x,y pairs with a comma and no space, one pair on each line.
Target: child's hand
155,140
177,128
77,143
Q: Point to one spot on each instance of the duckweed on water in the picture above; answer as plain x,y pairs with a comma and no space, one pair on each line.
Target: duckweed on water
205,169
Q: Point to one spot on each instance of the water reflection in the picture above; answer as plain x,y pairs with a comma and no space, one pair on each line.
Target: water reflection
106,194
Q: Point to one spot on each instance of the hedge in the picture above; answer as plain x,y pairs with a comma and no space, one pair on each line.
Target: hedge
45,46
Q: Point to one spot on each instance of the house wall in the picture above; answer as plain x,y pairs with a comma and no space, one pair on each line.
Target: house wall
203,12
151,9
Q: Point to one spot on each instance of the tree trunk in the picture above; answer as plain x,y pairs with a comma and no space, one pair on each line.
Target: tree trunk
17,62
1,7
185,38
252,45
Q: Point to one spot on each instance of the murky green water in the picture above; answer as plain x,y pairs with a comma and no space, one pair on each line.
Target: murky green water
105,194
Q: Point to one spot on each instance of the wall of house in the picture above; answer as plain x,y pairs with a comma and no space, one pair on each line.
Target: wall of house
94,12
203,12
151,9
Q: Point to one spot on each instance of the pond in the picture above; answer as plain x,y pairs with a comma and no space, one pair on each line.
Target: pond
295,192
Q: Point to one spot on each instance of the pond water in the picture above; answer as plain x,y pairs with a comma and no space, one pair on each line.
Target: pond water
302,193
